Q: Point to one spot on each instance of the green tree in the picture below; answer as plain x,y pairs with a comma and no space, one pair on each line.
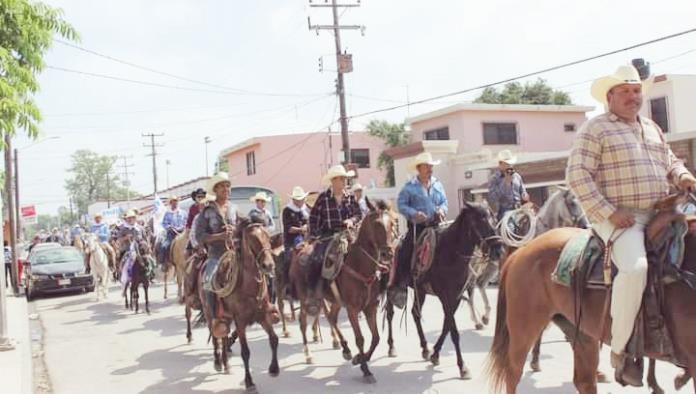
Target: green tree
393,134
538,92
93,180
26,32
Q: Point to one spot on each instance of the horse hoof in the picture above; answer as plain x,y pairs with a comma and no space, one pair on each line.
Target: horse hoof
601,377
370,379
286,334
435,360
392,353
316,339
347,355
681,381
218,367
274,371
485,320
252,390
226,371
479,326
536,368
425,354
357,360
464,374
309,361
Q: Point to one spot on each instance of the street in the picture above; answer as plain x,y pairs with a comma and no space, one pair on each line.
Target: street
101,347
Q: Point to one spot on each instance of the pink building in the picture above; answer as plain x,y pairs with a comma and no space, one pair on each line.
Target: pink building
280,162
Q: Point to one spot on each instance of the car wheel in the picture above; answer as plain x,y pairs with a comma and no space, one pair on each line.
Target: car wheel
89,289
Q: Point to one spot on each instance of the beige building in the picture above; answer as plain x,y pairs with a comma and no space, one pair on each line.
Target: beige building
670,102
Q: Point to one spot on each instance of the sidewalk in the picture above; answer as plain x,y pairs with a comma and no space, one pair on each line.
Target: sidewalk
16,365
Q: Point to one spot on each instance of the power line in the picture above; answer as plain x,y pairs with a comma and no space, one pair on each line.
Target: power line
527,75
179,77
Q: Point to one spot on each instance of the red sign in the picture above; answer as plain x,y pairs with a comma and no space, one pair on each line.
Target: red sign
28,211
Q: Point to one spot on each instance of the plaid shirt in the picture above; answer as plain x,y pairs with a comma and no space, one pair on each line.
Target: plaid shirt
327,215
614,164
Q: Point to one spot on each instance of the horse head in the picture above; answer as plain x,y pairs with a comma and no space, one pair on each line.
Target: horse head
575,215
256,243
378,229
475,227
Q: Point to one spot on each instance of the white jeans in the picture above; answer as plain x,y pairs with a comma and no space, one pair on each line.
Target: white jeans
629,255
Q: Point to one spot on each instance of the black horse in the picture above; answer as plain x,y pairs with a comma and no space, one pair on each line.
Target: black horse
448,275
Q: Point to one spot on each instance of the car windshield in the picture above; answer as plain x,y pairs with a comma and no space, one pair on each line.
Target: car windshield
56,256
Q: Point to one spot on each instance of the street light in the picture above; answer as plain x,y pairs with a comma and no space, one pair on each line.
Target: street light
207,141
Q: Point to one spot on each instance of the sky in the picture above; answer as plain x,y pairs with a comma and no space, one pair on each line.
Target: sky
256,67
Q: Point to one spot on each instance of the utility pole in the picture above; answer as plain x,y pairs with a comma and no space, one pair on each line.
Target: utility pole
16,190
108,188
167,162
206,140
153,145
5,342
126,175
11,211
344,64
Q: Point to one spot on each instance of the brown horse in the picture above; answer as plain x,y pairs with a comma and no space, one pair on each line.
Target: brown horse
139,276
528,299
248,302
177,259
448,276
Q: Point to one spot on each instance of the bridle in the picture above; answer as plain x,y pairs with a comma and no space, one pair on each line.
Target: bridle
259,254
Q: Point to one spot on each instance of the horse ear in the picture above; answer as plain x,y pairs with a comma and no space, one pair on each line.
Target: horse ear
467,205
369,204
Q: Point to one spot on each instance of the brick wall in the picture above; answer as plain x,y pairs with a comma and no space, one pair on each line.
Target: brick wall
682,149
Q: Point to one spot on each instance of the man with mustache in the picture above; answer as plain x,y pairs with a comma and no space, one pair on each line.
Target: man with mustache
619,167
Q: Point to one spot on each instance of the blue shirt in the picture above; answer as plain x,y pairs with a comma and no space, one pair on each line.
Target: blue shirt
413,197
175,219
505,195
101,230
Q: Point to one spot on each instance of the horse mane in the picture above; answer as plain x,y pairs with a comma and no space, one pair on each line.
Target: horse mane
378,205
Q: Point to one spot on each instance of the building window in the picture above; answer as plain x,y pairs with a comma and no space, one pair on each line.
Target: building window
659,114
437,134
500,134
569,127
251,163
360,157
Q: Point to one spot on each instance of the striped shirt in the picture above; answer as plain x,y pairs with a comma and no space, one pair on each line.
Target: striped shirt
614,164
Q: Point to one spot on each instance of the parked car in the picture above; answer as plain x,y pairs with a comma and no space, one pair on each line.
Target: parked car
56,270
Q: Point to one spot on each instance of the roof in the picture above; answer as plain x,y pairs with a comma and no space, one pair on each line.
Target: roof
498,107
257,140
522,158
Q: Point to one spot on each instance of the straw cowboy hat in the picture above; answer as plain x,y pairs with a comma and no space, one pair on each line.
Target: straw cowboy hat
507,157
260,196
98,215
298,193
335,172
214,180
173,198
357,187
131,213
625,74
423,158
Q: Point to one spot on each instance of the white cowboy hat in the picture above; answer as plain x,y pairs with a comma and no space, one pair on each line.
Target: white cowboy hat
423,158
625,74
260,196
214,180
298,193
173,198
131,214
506,156
335,172
357,187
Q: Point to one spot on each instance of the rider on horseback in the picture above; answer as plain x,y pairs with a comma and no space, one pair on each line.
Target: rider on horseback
130,235
619,167
506,189
259,213
199,199
423,202
100,229
173,223
335,210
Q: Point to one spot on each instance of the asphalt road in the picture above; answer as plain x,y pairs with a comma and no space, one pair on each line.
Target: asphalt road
101,347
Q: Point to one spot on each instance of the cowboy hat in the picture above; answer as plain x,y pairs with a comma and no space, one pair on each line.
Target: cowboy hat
260,196
173,198
131,214
214,180
423,158
335,172
507,157
625,74
298,193
98,215
356,187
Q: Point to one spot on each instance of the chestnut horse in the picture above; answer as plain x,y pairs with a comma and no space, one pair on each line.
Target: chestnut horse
248,302
448,276
528,299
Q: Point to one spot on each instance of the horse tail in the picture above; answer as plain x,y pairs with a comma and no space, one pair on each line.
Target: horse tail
498,362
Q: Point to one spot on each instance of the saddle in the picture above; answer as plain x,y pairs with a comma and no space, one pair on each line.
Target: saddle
329,253
424,250
583,265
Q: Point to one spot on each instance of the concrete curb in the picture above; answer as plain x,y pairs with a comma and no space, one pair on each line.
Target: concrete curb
16,365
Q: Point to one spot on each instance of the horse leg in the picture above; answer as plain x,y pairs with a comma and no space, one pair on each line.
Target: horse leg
216,355
487,305
135,297
360,342
586,357
454,335
472,308
224,346
446,328
273,369
241,331
682,379
416,312
534,364
281,307
189,334
303,329
315,329
652,380
371,317
292,311
146,287
166,273
333,321
390,340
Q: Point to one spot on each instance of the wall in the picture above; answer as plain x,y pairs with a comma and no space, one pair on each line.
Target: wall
285,161
537,131
684,108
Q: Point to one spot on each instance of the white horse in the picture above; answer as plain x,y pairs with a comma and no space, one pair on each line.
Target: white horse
98,265
562,209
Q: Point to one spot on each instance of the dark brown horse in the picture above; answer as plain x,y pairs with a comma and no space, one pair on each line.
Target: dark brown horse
448,276
528,299
248,302
139,276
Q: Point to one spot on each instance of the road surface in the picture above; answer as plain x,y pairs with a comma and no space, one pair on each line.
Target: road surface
100,347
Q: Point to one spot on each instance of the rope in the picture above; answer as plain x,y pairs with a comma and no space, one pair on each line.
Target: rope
508,224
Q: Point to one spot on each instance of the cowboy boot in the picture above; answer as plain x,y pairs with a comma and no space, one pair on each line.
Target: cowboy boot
626,371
